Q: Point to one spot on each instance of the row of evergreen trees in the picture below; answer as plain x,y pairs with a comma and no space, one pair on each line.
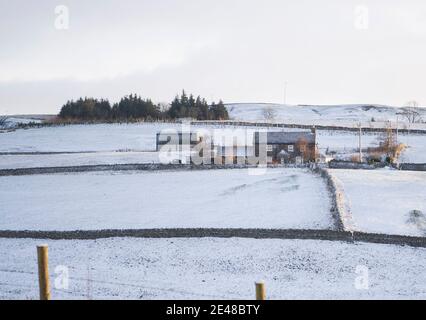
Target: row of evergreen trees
133,107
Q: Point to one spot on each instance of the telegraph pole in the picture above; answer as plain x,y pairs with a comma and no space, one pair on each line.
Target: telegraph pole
360,143
397,126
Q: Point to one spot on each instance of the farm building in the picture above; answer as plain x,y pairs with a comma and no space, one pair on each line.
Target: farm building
235,147
178,139
288,147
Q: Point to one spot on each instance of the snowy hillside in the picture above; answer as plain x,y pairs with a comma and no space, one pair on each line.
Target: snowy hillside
325,115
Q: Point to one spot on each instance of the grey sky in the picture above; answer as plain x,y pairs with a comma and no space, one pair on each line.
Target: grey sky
237,50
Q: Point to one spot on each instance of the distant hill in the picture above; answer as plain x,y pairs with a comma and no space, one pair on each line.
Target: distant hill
13,120
318,114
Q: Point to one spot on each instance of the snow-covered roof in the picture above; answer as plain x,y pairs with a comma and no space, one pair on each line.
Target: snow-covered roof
287,137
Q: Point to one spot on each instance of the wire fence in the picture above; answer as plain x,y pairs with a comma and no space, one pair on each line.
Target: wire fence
77,290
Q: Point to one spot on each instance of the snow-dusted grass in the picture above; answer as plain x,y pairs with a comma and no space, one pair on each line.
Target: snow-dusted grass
76,159
380,200
281,198
125,268
96,137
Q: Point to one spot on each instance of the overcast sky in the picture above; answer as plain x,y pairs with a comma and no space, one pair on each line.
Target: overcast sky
329,51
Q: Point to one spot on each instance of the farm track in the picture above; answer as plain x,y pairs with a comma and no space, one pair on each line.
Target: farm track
300,234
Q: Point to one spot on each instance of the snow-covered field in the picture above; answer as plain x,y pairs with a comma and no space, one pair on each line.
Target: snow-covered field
76,159
380,201
125,268
281,198
416,148
107,139
99,137
83,138
345,144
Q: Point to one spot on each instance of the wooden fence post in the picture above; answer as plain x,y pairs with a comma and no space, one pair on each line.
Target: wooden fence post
260,291
43,272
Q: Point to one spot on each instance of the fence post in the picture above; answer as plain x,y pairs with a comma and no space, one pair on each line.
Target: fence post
260,291
43,272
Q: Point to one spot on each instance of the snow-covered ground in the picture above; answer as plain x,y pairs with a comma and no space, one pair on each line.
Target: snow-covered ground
416,148
380,201
280,198
72,138
103,137
107,138
76,159
125,268
343,115
345,144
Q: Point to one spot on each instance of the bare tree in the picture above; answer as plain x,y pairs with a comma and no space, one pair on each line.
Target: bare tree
3,121
411,112
389,149
269,113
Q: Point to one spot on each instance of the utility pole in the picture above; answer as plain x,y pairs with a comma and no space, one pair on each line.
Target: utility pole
360,143
397,126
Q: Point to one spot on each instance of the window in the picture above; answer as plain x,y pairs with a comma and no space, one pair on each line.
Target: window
290,148
269,148
302,148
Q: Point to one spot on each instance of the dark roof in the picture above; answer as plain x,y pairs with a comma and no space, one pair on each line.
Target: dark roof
287,137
